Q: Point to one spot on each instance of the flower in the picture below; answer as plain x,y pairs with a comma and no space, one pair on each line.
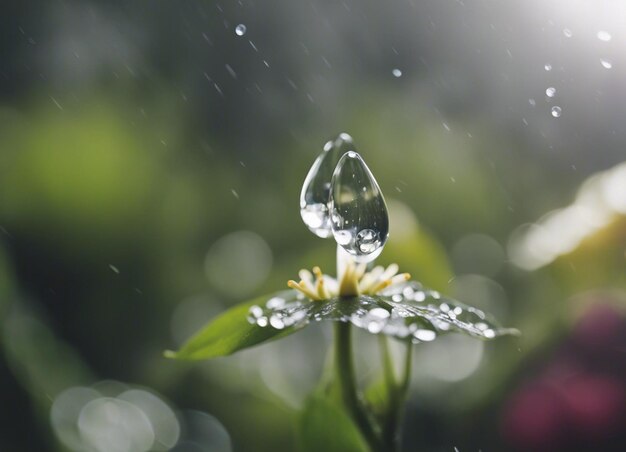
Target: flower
341,199
355,281
378,301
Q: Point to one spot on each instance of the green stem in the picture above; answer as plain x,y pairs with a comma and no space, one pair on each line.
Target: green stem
344,368
396,393
388,372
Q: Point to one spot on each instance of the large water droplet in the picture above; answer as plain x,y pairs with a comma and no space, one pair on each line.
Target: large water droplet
359,217
316,189
551,91
556,111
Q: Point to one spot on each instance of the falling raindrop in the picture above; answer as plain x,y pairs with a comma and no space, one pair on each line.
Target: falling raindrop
604,36
567,33
532,102
547,67
606,64
360,223
316,189
556,111
397,73
551,92
240,30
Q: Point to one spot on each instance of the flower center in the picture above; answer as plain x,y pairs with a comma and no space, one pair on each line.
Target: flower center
355,281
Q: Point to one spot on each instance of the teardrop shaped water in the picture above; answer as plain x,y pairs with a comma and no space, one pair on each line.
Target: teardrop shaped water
316,189
359,218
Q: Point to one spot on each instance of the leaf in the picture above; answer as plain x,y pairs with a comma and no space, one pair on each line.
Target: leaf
324,426
426,314
232,331
405,311
415,250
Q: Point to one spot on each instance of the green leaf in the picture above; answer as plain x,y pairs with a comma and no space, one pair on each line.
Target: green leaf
416,251
406,311
324,426
232,331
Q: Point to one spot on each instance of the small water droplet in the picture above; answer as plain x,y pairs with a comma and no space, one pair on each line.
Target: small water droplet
556,111
397,73
359,218
315,193
275,303
419,296
551,91
425,335
604,36
376,319
567,33
277,322
240,30
548,67
489,334
532,102
606,64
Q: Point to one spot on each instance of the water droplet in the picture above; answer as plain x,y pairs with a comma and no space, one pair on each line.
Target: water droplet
532,102
240,30
604,36
606,64
551,92
376,319
315,193
425,335
567,33
359,218
397,73
277,322
547,67
556,111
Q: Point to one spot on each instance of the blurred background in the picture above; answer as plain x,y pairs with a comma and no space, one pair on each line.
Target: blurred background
151,159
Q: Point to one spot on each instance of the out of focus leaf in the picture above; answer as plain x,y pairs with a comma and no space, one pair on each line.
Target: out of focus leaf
230,332
324,426
415,250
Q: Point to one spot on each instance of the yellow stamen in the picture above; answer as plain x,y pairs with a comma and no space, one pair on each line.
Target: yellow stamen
380,286
294,285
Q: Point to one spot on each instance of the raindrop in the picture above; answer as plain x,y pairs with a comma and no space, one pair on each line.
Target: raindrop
316,189
240,30
425,335
547,67
551,92
397,73
556,111
567,32
606,64
359,218
604,36
532,102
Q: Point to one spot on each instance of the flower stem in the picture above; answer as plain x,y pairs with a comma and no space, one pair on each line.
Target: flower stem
396,396
346,383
